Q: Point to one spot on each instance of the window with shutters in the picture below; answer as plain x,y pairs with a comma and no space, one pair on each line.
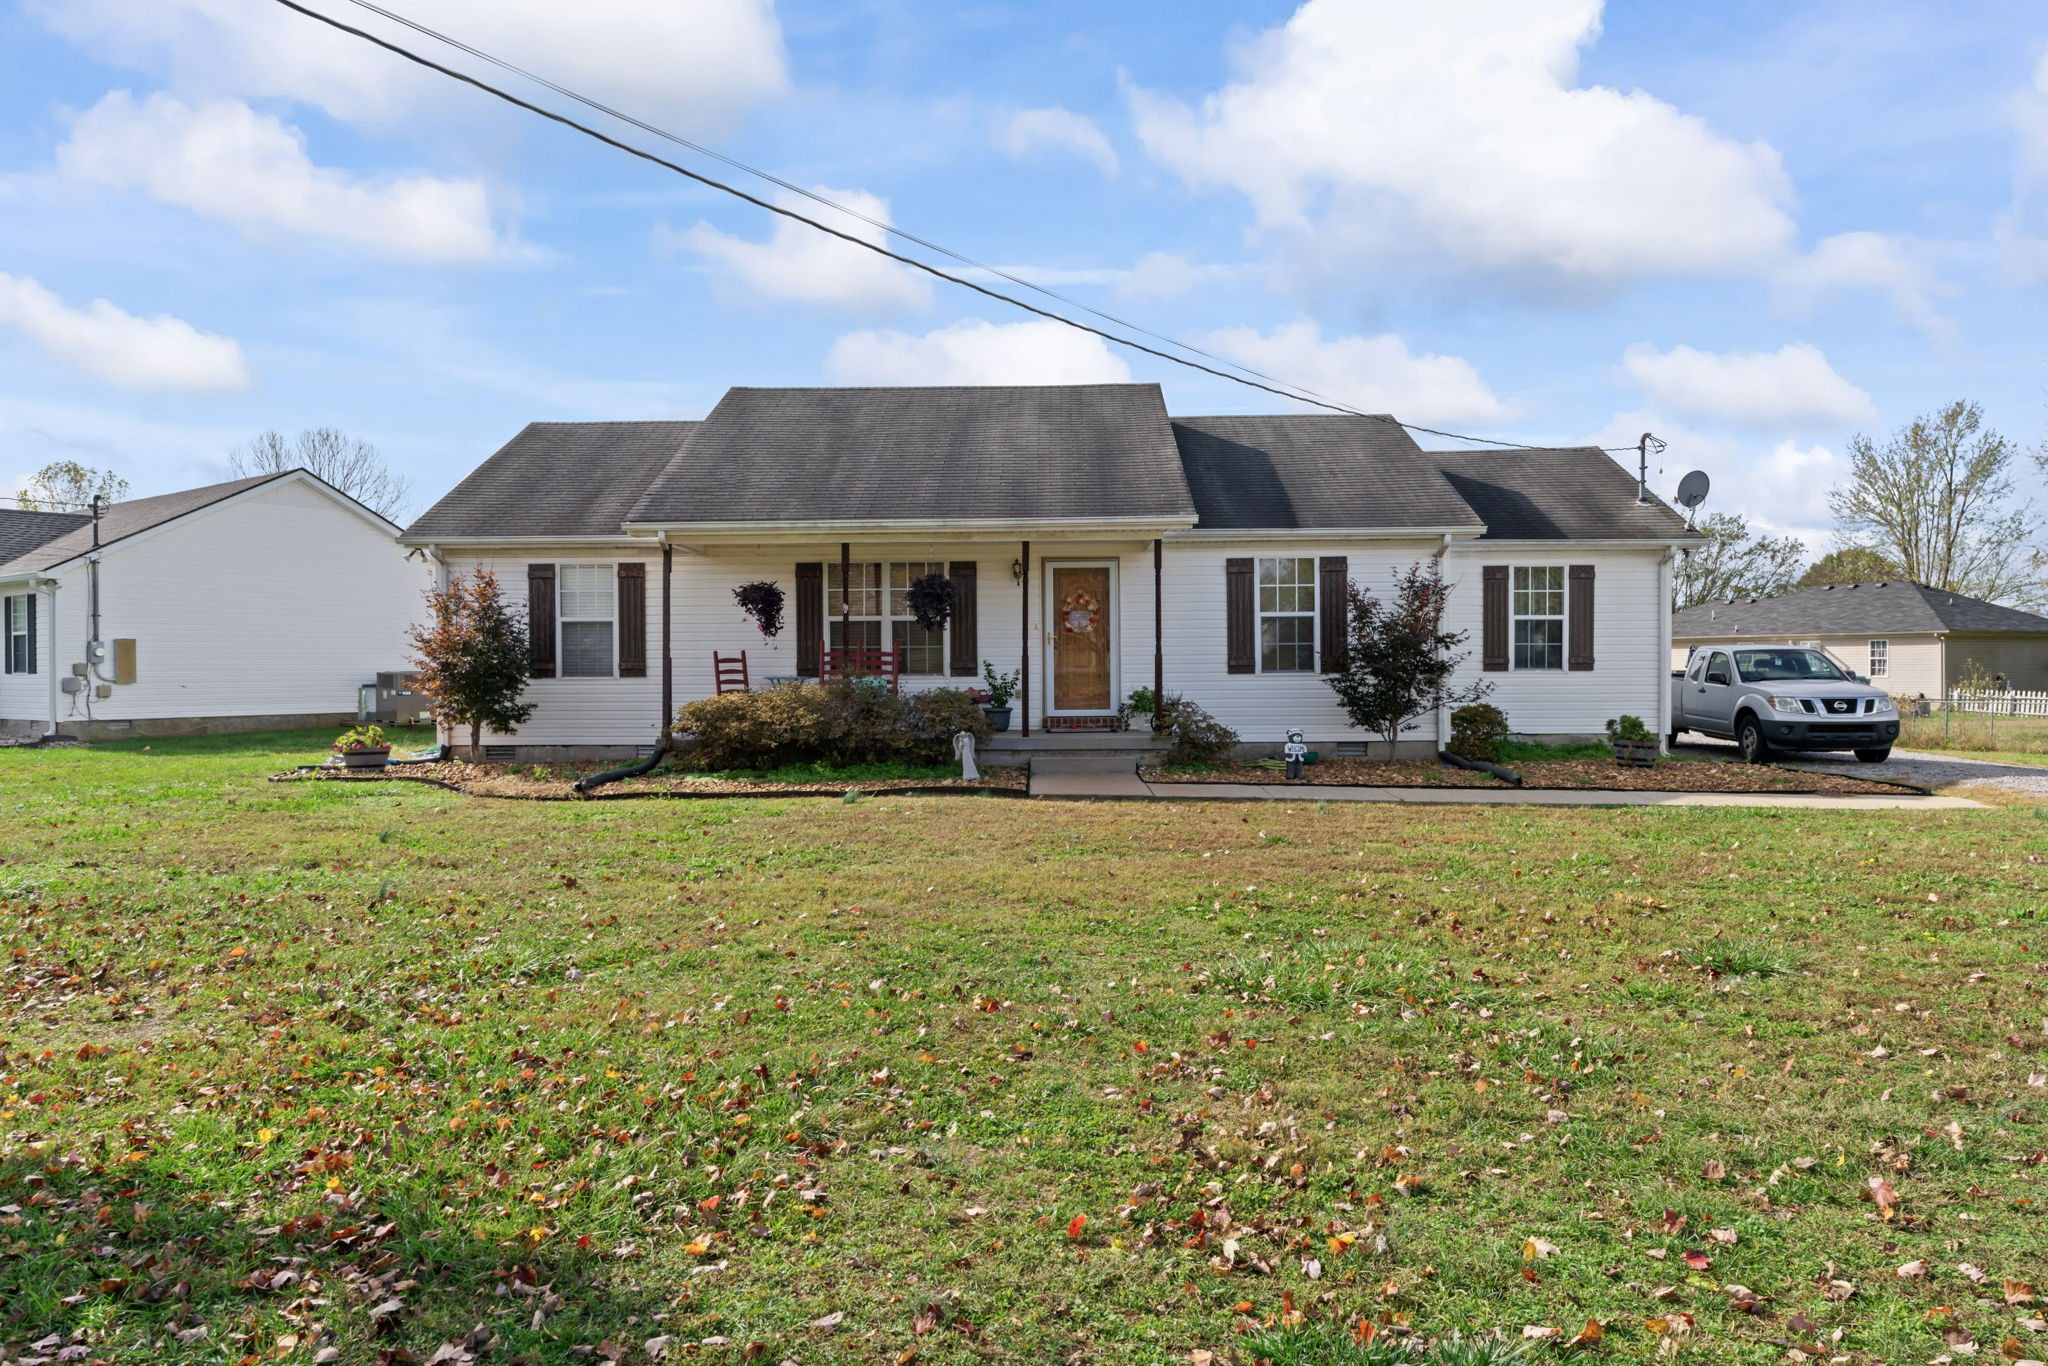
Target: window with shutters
20,659
586,619
1287,615
879,616
1536,616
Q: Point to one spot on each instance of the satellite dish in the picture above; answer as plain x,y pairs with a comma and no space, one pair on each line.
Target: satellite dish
1692,490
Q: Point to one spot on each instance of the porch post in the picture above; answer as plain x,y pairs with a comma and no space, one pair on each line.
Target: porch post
1158,626
668,659
1024,664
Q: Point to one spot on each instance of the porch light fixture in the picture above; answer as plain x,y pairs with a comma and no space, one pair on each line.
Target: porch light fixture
1016,571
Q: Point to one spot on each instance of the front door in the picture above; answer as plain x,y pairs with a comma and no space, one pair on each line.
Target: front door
1081,637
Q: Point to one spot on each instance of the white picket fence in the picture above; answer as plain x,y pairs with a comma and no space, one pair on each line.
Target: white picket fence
1996,703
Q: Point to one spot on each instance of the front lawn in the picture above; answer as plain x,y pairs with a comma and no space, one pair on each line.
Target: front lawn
366,1069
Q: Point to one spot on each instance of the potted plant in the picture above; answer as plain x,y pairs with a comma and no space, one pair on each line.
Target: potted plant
1141,709
363,747
761,600
1632,741
1001,688
930,598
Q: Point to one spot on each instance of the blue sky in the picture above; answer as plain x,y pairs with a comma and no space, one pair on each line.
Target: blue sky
1752,228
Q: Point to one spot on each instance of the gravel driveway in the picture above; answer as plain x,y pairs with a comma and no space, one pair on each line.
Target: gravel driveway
1907,766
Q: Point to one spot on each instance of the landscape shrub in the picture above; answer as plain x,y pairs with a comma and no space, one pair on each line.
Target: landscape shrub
844,722
1198,738
1478,732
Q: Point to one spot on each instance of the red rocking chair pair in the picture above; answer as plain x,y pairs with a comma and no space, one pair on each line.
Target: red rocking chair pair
856,661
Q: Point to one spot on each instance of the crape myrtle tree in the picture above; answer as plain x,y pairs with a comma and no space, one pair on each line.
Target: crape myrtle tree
1398,658
471,657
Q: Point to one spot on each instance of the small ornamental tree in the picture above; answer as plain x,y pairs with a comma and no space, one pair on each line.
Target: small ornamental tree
1398,658
471,657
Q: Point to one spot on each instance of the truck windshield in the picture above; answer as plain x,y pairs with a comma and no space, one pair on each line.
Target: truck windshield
1786,666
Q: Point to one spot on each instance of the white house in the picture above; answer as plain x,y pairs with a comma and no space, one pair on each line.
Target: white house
258,603
1096,545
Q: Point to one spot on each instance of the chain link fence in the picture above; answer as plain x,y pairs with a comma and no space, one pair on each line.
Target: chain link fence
1984,722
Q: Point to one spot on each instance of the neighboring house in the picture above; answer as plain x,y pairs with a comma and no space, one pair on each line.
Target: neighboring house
258,603
1097,545
1911,640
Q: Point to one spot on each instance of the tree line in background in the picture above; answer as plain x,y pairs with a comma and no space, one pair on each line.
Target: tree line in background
1939,502
348,463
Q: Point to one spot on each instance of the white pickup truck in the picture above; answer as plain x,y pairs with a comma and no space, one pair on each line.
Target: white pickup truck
1771,697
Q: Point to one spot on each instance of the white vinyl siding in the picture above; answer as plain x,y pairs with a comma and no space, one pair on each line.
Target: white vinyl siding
1536,616
587,619
1287,614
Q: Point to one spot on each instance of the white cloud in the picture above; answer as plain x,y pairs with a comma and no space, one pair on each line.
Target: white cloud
1874,261
1059,130
1793,387
1170,274
976,352
1375,374
228,162
694,63
2022,232
1781,487
1365,128
800,263
161,352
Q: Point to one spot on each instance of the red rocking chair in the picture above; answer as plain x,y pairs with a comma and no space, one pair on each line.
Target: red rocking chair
862,661
731,672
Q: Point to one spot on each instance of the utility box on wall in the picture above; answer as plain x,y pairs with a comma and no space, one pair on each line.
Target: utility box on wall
124,660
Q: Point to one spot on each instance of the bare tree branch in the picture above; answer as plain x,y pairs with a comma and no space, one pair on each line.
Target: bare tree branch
350,464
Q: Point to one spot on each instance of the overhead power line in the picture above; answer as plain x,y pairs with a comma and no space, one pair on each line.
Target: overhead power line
1277,387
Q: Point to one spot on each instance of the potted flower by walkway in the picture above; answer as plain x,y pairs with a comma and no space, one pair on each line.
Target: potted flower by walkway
363,747
1001,688
1634,746
1140,710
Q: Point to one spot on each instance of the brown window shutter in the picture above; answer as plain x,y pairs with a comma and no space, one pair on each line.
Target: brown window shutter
810,617
966,642
1493,617
1578,609
632,619
540,621
32,655
1241,622
1335,619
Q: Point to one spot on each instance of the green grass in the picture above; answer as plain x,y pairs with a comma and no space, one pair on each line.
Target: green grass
1531,751
1980,735
363,1067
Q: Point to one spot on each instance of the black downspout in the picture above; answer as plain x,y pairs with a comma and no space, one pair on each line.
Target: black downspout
1024,664
1158,629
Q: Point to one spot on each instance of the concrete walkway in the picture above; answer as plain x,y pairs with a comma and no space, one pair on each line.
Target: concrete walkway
1128,786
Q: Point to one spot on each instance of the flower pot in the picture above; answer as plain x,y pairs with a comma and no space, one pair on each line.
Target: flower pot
366,758
1141,721
999,717
1635,753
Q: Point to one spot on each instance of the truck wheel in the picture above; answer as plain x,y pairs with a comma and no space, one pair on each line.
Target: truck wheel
1874,756
1749,738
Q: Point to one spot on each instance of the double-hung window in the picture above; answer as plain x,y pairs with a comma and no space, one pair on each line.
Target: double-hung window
876,612
1880,658
1287,615
14,636
1536,611
587,619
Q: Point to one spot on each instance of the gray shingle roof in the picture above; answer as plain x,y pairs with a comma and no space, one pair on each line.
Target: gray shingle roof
1310,471
121,520
21,532
556,479
1896,607
1019,453
1572,493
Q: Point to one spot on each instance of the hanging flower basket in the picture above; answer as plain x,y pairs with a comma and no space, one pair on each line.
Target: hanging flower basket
930,600
763,602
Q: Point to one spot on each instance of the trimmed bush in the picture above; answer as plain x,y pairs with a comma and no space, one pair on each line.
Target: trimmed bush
1198,738
1478,732
844,722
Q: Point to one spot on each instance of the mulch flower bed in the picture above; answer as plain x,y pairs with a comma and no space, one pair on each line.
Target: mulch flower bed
553,782
1670,775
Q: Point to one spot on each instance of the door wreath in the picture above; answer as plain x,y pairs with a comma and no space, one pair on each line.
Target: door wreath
1079,613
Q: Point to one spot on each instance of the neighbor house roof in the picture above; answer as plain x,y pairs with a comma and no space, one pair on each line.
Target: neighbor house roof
1310,471
1896,607
1572,493
22,531
118,521
1011,453
556,479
